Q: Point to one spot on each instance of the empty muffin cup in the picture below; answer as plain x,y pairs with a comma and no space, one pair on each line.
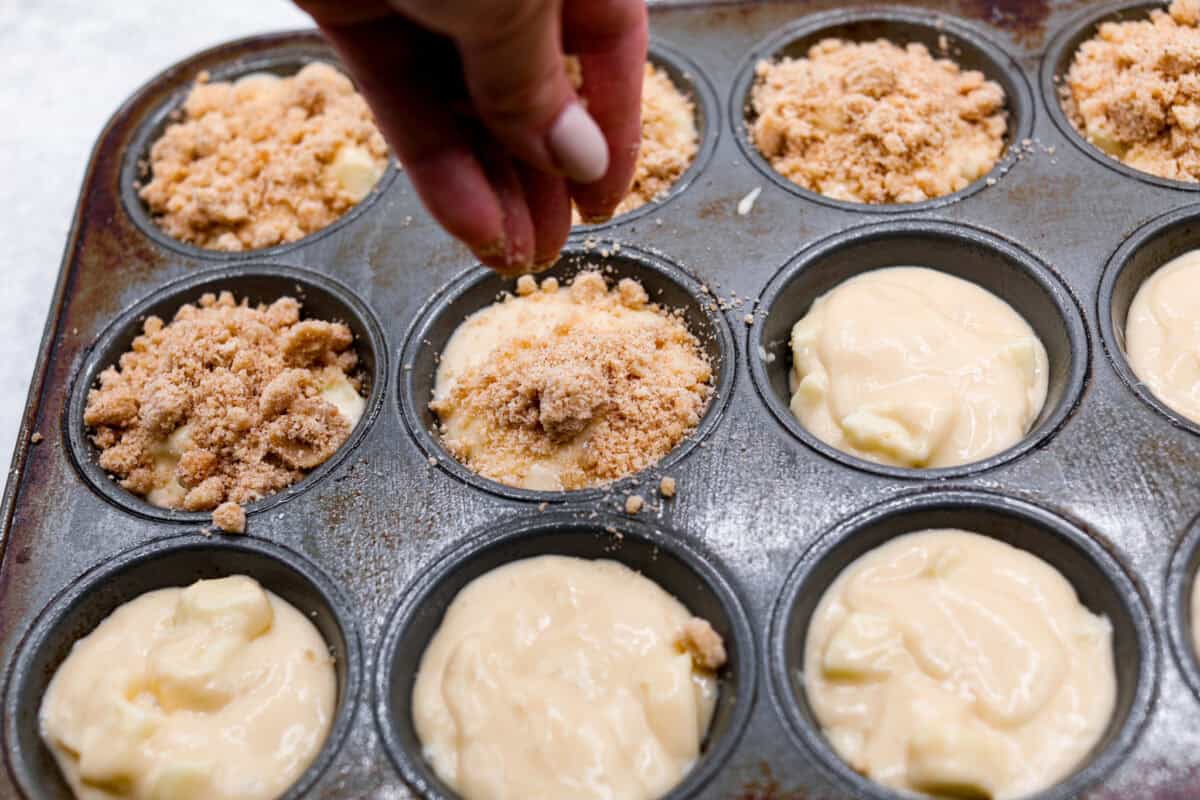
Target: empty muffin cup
1002,268
1141,255
1102,584
1181,604
679,567
666,285
176,561
322,299
964,45
171,91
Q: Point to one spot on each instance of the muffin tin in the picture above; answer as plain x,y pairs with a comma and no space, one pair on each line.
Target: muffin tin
375,542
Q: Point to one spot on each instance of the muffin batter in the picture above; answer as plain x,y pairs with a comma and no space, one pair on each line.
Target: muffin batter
1162,334
227,402
950,663
911,367
562,388
1134,91
873,122
220,690
557,677
264,160
669,140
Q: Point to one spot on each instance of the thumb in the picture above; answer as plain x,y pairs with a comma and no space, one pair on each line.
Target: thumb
516,76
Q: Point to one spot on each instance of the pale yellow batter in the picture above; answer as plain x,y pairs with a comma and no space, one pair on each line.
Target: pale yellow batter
557,677
1162,334
912,367
219,691
950,663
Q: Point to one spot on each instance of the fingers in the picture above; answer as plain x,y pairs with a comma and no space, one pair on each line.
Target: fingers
610,40
394,62
550,210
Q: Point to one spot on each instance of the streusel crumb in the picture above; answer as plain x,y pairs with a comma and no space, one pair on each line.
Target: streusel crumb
705,645
227,403
1134,91
264,160
874,122
230,517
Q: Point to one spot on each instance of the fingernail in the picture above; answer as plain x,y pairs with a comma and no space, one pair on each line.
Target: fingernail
578,146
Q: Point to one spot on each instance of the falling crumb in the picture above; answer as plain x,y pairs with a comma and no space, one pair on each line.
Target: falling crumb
703,643
226,402
230,517
543,506
433,461
874,122
1134,91
746,204
666,487
526,284
36,438
669,140
748,319
563,389
634,503
264,160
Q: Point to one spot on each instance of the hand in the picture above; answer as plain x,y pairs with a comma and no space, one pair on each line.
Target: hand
474,98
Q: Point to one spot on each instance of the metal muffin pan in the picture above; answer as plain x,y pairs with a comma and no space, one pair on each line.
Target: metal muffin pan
1104,488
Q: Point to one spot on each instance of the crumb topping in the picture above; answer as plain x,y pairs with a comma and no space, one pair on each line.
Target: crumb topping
264,160
1134,91
667,486
230,517
703,643
669,141
591,384
228,402
874,122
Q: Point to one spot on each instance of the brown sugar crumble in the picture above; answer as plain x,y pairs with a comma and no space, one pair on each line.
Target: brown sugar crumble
874,122
669,141
576,386
226,404
230,517
264,160
703,643
666,487
634,504
1133,91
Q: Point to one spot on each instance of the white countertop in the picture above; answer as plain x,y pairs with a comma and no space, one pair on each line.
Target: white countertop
68,65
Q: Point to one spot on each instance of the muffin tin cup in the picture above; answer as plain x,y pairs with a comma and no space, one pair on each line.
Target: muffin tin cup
969,48
1007,271
1181,580
678,566
478,288
321,298
284,60
1149,248
1102,584
1057,61
174,561
691,80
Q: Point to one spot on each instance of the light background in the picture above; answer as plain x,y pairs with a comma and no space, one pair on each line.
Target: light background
66,66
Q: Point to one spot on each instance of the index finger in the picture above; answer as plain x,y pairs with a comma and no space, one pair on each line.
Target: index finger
610,40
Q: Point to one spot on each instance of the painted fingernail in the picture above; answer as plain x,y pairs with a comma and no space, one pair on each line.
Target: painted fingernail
577,144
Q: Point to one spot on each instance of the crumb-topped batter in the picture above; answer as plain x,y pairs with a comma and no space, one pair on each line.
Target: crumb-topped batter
264,160
228,402
560,388
669,139
874,122
1134,91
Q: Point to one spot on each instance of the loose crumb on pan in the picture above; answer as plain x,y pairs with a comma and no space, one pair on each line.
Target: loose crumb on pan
667,486
230,517
698,638
264,160
612,386
225,403
874,122
1134,91
36,438
669,143
634,503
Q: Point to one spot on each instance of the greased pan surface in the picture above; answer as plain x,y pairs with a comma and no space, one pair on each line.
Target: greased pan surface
1105,488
